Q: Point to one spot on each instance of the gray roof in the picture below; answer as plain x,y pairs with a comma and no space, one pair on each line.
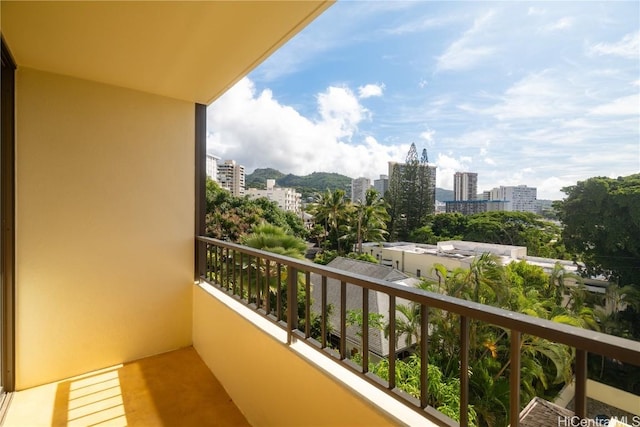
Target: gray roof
540,412
378,302
369,269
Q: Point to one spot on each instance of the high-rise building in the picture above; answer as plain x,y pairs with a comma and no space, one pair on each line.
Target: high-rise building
381,185
359,187
518,198
465,186
231,177
286,198
212,166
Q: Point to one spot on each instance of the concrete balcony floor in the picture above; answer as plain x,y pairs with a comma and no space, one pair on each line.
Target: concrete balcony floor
170,389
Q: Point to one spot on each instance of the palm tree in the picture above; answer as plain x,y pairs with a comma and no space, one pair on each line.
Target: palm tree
371,218
330,208
274,239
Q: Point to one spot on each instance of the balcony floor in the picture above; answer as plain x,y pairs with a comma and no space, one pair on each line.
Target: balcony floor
170,389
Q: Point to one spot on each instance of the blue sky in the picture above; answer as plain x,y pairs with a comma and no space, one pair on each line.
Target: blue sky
537,93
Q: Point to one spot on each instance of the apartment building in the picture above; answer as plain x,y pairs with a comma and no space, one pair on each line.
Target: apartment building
212,166
465,186
381,185
359,187
518,198
288,199
231,177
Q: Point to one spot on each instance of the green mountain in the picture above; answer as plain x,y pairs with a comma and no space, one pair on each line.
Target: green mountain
306,185
259,177
316,182
443,195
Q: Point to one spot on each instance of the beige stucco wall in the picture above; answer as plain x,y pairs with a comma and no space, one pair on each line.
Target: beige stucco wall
105,225
410,262
271,384
614,397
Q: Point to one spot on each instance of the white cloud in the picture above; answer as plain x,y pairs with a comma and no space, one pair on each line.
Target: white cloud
257,131
536,95
341,111
560,24
627,47
428,135
467,51
420,24
625,106
549,188
448,166
535,11
370,90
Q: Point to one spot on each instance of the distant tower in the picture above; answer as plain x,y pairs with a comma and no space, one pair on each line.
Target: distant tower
519,198
381,185
359,187
212,166
231,177
465,186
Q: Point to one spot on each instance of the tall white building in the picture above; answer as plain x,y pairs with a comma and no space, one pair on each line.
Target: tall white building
286,198
231,177
517,198
212,166
465,186
381,185
359,187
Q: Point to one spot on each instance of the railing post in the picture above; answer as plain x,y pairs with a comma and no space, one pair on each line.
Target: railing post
424,356
279,293
307,304
580,399
365,330
514,379
392,342
323,327
464,371
258,283
267,291
292,303
343,320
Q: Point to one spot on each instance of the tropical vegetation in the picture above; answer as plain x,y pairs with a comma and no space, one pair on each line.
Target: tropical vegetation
600,228
601,218
541,237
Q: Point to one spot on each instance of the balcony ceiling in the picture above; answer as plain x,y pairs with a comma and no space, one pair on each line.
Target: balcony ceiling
192,50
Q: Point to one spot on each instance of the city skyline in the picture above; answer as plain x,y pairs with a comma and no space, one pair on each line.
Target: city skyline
539,94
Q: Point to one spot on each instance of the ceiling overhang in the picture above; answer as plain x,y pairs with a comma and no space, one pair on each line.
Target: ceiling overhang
189,50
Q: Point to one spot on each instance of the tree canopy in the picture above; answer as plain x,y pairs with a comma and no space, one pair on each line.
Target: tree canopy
541,237
410,194
601,218
229,217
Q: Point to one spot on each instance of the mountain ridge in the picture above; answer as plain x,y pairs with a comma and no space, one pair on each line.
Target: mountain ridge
313,182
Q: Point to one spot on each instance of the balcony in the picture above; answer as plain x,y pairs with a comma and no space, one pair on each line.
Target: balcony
268,284
101,187
270,368
174,388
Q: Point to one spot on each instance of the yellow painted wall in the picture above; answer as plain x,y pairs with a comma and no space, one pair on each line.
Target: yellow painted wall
269,383
105,220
